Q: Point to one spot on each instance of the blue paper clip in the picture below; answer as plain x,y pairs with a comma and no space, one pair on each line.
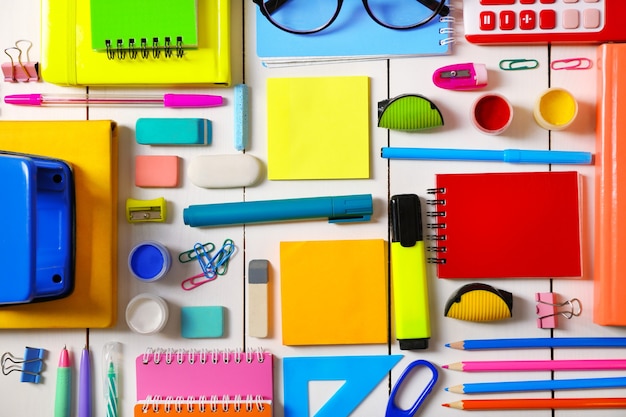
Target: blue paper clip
211,266
392,409
30,365
190,255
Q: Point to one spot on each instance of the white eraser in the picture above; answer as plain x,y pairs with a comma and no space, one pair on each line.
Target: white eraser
225,171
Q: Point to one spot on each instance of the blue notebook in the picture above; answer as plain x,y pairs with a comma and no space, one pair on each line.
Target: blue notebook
353,36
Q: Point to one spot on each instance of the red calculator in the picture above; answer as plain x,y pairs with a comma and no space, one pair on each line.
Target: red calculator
543,21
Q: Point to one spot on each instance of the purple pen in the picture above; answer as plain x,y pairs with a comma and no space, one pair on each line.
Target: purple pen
84,385
167,100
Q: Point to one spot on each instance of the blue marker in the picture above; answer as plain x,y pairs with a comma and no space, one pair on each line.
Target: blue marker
519,156
338,209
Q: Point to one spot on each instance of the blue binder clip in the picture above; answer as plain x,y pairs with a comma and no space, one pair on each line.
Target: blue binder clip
37,223
30,365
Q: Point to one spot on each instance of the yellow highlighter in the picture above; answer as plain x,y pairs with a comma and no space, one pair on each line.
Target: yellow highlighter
408,273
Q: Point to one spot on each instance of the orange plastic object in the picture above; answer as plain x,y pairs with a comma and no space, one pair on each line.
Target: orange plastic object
610,188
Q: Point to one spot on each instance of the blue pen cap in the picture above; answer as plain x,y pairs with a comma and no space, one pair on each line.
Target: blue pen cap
351,208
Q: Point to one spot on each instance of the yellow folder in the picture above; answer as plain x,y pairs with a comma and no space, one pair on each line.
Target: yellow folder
67,56
90,147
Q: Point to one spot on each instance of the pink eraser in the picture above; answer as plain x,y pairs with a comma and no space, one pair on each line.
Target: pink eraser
156,170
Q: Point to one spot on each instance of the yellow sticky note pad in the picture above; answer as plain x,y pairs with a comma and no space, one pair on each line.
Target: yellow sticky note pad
334,292
318,128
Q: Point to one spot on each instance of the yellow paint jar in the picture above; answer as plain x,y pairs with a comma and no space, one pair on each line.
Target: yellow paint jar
555,109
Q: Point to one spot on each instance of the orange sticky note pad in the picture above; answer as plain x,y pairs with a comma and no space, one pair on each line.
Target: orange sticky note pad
333,292
156,170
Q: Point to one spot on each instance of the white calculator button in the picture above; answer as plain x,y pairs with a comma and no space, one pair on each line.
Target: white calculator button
591,18
570,1
571,19
592,1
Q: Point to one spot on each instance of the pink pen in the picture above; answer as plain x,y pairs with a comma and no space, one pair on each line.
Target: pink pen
167,100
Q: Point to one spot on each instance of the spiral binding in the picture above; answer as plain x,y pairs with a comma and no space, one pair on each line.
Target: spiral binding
202,356
117,49
449,31
171,405
438,227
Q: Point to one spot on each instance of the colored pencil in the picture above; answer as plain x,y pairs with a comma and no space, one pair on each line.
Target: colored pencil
538,365
538,403
540,385
547,342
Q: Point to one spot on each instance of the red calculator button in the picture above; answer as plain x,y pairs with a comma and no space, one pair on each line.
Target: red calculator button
527,20
496,2
487,20
547,1
547,19
527,1
507,20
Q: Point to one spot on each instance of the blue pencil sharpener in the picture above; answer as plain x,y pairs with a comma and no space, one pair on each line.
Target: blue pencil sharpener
37,216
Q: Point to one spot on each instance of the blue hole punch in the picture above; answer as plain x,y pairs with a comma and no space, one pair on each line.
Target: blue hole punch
392,409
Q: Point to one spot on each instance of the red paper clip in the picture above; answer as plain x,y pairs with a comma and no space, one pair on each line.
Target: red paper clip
571,64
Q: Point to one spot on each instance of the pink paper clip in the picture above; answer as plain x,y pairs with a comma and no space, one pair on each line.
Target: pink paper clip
466,76
547,309
571,64
18,70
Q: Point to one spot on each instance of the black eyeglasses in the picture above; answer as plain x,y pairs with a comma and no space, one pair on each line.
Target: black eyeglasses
303,17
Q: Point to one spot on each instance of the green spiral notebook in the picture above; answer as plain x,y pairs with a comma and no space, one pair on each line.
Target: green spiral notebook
127,23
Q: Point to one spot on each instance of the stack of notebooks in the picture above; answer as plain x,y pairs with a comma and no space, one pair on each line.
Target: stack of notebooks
125,42
353,36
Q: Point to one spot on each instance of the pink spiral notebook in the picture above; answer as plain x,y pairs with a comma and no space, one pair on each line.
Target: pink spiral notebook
204,373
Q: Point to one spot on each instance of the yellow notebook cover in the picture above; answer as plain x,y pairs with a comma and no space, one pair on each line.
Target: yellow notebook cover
91,149
67,56
336,298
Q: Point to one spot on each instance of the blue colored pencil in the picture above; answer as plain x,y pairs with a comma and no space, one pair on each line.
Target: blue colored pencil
548,342
540,385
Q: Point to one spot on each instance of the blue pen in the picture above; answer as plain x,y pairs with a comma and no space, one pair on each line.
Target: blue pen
517,156
337,209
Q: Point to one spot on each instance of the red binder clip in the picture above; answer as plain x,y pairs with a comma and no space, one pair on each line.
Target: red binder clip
465,76
548,313
18,70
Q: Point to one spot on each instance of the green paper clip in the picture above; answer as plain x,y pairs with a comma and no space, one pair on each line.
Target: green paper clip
518,64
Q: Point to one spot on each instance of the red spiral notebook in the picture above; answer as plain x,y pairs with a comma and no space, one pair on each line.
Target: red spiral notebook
507,225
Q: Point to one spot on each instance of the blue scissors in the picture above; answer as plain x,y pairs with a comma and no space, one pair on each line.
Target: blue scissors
392,409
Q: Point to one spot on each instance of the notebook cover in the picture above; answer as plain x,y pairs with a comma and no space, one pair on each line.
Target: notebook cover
354,35
610,188
212,373
312,302
90,147
67,57
509,225
113,20
211,407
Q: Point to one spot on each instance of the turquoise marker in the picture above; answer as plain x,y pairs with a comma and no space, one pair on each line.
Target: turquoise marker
408,273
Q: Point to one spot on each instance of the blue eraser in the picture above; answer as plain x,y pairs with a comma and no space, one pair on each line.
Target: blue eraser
173,131
198,322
